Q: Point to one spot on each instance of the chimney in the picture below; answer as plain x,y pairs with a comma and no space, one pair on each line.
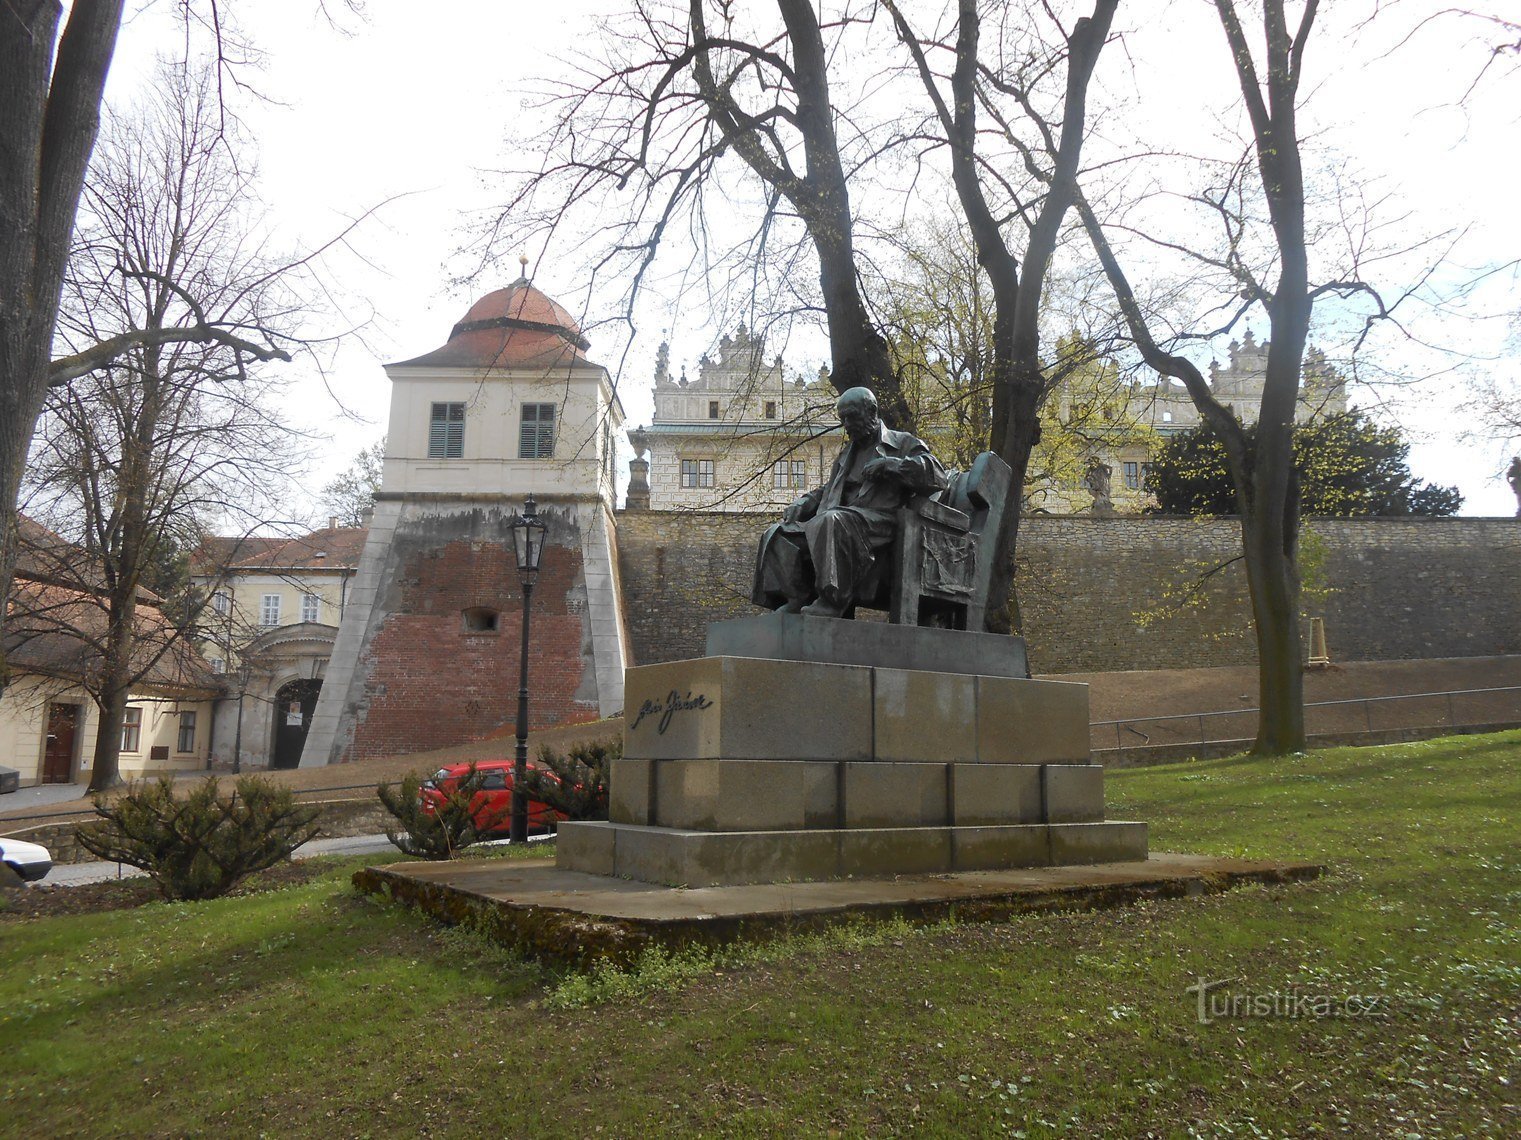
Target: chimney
332,522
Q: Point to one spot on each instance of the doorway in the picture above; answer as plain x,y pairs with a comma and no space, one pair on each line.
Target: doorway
58,757
294,705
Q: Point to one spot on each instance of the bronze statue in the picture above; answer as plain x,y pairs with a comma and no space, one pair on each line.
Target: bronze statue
1513,477
819,559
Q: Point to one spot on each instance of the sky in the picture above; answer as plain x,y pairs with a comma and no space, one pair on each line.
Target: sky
406,109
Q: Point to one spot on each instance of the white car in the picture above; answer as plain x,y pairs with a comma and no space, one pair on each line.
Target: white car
29,860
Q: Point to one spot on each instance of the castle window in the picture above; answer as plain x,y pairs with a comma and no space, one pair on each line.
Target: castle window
220,602
789,474
697,473
712,409
311,606
771,409
446,431
219,664
536,435
269,609
1133,476
482,619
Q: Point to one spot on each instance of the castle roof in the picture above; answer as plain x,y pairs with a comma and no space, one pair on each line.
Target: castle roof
515,327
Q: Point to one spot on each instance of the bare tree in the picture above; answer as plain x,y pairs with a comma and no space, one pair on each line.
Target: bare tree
683,91
685,94
1021,378
350,495
172,435
1261,462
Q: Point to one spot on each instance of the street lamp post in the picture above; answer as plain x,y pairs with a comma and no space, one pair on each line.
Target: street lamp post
527,545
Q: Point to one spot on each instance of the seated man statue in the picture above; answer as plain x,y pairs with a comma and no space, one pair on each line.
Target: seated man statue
819,558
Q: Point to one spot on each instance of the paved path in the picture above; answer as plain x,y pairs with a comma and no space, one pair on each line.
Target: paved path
77,874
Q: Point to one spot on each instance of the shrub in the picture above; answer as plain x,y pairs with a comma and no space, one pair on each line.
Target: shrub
451,826
576,783
202,846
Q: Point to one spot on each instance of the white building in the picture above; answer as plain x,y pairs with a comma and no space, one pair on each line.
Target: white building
427,653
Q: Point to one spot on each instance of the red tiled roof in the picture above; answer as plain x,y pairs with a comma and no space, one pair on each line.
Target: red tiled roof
515,327
59,631
332,546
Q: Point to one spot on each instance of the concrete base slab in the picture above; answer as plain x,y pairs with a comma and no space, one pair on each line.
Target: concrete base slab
583,918
690,858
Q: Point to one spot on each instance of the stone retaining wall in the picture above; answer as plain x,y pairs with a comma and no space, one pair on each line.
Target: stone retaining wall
1104,594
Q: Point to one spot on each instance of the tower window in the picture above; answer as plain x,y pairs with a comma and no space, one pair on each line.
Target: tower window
712,409
536,435
446,431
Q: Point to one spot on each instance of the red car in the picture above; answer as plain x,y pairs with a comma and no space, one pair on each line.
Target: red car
492,805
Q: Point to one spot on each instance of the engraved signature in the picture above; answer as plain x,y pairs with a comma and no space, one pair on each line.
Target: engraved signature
674,704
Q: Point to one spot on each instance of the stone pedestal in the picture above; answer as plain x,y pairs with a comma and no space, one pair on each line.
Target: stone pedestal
747,770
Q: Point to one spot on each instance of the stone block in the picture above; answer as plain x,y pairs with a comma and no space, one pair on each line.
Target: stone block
630,785
586,846
1074,792
707,859
924,716
992,794
794,637
743,795
895,795
714,708
894,851
1031,722
1113,842
999,848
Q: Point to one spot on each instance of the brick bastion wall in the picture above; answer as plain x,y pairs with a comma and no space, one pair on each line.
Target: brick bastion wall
1102,594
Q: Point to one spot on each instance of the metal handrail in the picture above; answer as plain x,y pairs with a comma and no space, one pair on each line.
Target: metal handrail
1129,722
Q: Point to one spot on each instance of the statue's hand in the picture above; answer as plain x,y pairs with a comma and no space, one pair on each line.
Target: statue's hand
791,511
883,467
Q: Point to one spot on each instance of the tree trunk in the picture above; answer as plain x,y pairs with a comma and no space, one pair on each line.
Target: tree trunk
49,116
1273,579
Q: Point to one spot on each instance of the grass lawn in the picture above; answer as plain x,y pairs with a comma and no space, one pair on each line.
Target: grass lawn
312,1011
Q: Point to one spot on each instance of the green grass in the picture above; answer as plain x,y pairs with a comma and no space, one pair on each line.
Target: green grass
312,1011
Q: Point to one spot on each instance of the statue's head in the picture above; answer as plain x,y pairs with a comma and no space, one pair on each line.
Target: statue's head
857,409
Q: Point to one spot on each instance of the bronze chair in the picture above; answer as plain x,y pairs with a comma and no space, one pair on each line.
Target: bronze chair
940,572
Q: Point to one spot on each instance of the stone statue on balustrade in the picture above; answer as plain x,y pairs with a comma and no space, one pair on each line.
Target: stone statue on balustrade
819,559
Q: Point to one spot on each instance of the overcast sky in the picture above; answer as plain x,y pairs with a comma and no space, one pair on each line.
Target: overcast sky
417,100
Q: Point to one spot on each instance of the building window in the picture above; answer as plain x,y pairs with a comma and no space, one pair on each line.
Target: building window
311,606
789,474
186,742
446,431
697,473
712,409
269,609
219,665
1167,417
220,602
131,729
1135,475
771,409
536,435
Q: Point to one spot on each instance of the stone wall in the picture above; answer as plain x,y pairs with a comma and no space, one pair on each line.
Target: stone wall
1102,594
428,681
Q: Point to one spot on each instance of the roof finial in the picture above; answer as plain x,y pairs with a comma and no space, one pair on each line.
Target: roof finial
523,261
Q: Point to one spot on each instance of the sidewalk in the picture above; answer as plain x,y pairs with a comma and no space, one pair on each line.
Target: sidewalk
78,874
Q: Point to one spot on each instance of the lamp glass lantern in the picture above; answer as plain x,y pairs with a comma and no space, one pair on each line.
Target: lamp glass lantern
528,541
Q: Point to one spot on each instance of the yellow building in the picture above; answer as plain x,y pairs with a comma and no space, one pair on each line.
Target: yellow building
274,608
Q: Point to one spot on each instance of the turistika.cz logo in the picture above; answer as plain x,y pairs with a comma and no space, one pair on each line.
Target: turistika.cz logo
1216,1004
